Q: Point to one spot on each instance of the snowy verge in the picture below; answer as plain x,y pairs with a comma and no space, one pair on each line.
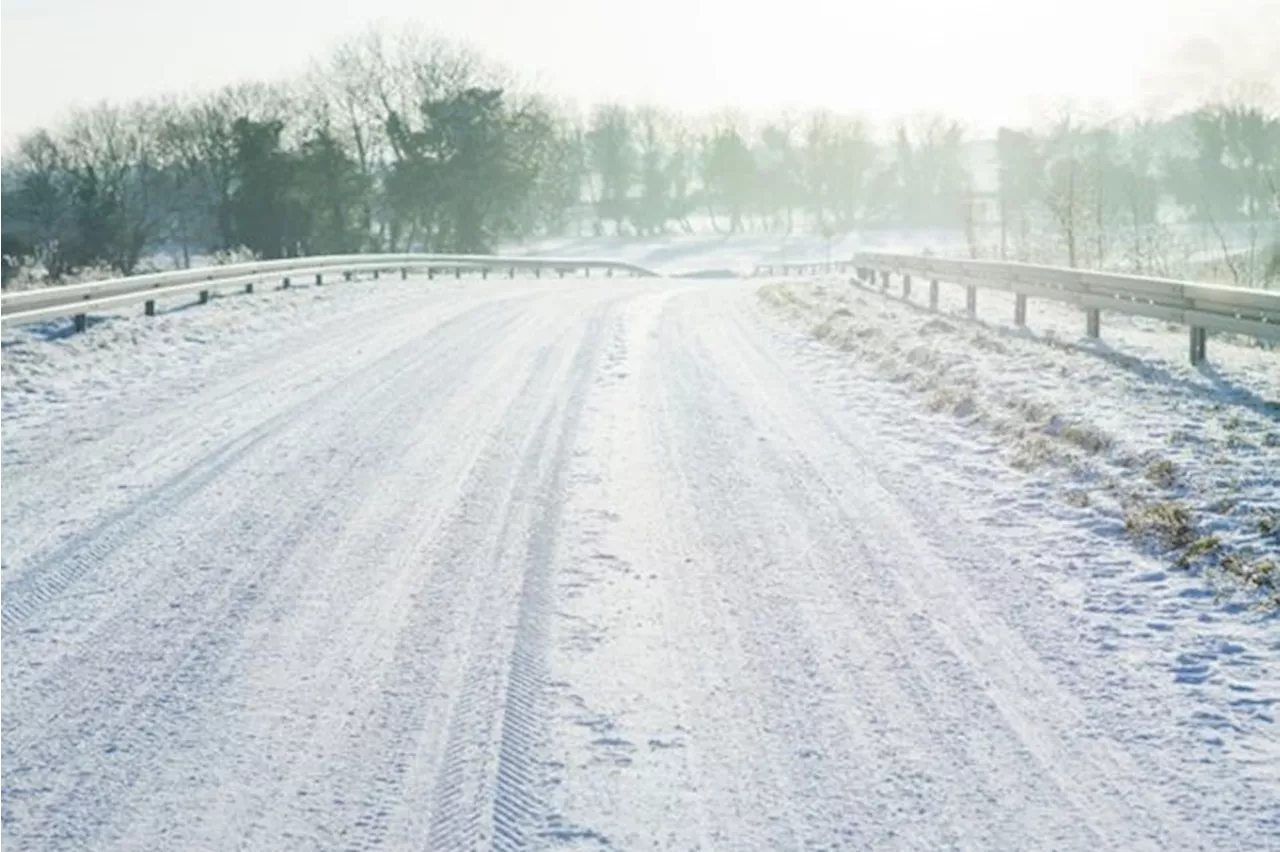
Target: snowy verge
1181,460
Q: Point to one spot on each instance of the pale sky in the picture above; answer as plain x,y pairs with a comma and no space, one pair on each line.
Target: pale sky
984,61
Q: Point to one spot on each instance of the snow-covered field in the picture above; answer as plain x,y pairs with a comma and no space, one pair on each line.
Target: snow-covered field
622,563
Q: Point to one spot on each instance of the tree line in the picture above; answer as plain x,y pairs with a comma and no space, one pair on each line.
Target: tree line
1105,194
414,144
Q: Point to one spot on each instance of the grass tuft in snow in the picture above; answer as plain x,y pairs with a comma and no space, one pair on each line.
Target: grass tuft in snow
1201,547
1261,574
1162,473
1268,522
1087,438
1035,451
1078,497
1168,523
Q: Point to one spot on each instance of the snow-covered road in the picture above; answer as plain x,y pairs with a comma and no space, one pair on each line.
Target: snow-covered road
575,564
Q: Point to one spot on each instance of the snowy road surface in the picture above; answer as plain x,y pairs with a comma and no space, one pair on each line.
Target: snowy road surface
576,565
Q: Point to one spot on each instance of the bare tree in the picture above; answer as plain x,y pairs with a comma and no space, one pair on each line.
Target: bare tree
1063,195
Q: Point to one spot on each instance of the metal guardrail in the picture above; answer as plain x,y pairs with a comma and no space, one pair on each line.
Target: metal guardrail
1200,307
802,267
79,300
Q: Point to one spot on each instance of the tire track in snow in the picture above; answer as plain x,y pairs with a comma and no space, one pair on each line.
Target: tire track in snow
307,359
1104,784
442,606
477,707
501,807
53,574
143,707
308,792
649,659
392,733
304,357
143,703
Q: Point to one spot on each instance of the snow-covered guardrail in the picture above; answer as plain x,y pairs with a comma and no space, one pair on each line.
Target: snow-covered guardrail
802,267
1201,307
79,300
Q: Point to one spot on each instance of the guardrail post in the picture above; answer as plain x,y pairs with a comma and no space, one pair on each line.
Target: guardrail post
1093,322
319,279
971,300
906,286
457,272
284,285
149,308
586,272
431,273
933,295
81,321
248,288
537,272
484,273
1199,337
404,273
561,271
375,274
511,273
204,297
609,272
1019,309
346,276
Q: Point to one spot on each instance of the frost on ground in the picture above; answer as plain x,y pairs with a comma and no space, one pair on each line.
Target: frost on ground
1184,460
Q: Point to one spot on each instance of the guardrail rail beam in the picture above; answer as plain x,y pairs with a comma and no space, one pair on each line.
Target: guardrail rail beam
1201,307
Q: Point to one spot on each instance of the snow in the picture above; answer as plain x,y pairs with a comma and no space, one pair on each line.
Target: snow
684,254
976,382
1127,417
620,563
